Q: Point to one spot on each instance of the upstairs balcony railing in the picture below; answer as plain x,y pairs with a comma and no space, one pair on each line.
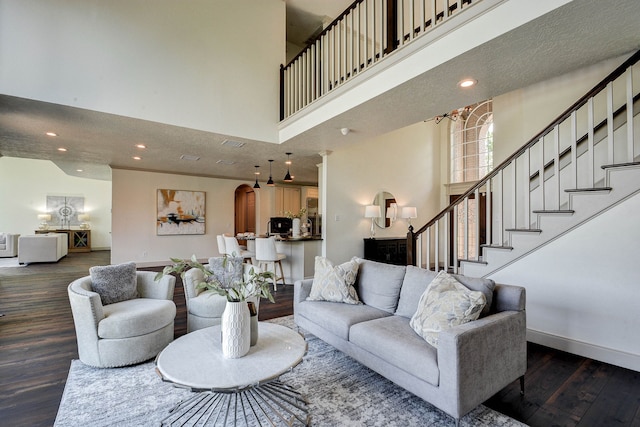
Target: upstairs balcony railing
361,36
573,154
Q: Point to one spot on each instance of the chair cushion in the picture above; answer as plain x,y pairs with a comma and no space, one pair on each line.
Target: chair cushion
392,339
207,304
114,283
334,283
379,284
445,303
135,317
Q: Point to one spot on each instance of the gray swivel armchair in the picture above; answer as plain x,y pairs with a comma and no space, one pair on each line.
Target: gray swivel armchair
127,332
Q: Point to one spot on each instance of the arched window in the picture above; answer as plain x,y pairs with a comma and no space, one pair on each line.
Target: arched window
471,159
472,143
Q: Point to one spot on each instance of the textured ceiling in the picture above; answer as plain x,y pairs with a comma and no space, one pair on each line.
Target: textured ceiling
578,34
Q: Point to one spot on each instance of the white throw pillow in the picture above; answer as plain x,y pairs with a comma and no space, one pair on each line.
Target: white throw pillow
334,283
444,304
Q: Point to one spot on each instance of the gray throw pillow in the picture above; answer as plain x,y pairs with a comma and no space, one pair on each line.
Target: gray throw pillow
227,272
115,283
378,285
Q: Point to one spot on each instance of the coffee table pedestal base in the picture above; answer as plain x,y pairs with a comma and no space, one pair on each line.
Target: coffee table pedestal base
271,404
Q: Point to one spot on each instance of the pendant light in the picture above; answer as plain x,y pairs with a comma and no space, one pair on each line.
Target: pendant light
256,185
270,182
287,177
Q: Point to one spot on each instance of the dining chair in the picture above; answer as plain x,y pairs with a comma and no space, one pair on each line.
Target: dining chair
267,257
222,248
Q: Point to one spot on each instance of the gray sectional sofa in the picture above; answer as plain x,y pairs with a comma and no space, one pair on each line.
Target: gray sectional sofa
472,362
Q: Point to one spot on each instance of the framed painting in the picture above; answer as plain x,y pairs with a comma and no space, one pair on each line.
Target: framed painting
64,210
180,212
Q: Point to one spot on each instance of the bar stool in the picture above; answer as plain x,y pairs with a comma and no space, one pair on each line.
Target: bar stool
267,257
233,248
222,248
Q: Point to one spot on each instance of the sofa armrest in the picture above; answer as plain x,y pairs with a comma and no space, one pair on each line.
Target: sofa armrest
479,358
148,287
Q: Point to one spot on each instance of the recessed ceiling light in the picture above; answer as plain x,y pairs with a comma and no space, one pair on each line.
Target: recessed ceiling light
467,83
189,157
51,134
231,143
141,146
226,162
137,158
79,170
62,149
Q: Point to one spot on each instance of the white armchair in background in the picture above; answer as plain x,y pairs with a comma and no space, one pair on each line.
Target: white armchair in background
8,245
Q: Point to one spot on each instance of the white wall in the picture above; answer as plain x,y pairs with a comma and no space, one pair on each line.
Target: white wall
25,185
582,289
404,162
201,64
134,216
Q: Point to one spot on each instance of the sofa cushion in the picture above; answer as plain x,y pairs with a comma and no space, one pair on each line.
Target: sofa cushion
135,317
392,339
207,304
226,270
334,283
445,303
336,317
114,283
3,239
378,284
416,281
486,286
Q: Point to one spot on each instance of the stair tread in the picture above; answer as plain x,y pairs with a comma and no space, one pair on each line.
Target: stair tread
620,165
474,261
524,230
509,248
595,189
555,211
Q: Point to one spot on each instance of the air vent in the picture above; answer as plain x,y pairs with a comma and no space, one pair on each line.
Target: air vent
189,158
226,162
231,143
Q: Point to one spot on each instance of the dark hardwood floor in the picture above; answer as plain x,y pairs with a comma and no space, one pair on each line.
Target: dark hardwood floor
37,344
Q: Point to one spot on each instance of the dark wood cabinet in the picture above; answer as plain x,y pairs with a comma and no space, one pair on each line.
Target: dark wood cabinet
390,250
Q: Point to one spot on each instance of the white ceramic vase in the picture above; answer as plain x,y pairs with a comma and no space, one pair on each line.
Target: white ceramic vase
236,330
296,227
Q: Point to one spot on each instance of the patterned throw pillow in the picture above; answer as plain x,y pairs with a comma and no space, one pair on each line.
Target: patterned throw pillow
445,303
115,283
334,283
227,273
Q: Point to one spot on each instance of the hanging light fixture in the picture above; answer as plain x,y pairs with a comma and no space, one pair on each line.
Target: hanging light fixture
287,177
270,182
256,185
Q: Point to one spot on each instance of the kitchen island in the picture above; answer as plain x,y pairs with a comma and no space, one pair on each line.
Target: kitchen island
301,253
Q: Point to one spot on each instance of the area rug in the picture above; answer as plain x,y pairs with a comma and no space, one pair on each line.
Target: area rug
10,262
340,391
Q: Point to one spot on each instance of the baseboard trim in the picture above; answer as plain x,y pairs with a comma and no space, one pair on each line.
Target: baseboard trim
592,351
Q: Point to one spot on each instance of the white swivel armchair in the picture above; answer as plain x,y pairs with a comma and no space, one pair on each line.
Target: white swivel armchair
8,245
233,249
204,308
123,333
267,257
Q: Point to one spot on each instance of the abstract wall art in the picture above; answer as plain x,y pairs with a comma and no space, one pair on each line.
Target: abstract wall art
64,210
180,212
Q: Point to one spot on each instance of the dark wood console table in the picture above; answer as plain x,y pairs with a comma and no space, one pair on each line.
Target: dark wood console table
390,250
79,240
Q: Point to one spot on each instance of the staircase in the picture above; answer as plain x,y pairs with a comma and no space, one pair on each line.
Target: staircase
581,165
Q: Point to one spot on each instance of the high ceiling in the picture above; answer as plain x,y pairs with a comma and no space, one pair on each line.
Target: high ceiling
578,34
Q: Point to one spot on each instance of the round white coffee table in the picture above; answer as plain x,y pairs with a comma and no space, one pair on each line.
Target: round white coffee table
232,390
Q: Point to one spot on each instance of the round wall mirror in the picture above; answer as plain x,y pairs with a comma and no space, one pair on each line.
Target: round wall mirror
389,208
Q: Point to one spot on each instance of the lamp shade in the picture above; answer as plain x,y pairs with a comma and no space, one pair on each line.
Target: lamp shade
409,212
372,211
44,217
84,217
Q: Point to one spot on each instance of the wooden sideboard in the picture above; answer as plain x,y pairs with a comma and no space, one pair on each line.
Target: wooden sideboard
79,240
390,250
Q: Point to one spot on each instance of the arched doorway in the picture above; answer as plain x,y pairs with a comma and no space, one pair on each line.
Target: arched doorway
245,210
